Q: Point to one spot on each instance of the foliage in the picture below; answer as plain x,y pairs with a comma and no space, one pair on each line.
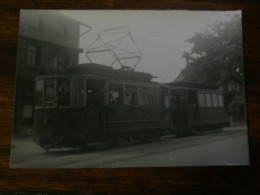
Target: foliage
217,54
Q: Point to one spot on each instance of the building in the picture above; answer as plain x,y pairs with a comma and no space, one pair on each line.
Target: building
48,43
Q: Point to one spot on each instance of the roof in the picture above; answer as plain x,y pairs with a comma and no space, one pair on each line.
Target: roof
191,85
109,72
77,21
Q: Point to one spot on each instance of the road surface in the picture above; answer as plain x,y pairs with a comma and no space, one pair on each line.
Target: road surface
229,147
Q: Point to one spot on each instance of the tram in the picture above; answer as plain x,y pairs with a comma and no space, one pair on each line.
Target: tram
92,104
196,108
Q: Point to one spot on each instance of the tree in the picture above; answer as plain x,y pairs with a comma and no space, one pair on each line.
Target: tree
217,54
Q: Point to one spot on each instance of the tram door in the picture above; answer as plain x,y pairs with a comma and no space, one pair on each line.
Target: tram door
94,103
179,112
192,108
184,110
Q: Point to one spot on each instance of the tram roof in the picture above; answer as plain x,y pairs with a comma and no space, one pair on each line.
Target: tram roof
188,85
109,72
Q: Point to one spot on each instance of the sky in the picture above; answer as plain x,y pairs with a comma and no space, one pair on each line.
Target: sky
160,35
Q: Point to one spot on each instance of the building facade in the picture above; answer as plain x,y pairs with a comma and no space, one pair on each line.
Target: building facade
48,44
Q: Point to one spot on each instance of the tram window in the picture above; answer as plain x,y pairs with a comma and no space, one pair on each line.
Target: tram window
94,92
155,96
63,92
78,92
192,99
183,99
39,86
91,96
49,92
130,95
215,100
175,100
220,101
166,101
179,99
143,96
115,94
208,100
201,98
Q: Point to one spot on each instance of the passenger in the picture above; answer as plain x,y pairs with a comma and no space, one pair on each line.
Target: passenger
114,98
111,99
63,96
93,97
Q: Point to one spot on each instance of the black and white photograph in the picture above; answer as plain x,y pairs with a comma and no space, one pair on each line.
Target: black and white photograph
125,88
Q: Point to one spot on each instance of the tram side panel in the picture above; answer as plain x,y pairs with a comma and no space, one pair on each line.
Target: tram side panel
212,111
86,116
213,117
195,110
122,119
57,127
183,121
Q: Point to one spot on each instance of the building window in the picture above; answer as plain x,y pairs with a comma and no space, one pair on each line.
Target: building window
32,55
57,64
61,29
